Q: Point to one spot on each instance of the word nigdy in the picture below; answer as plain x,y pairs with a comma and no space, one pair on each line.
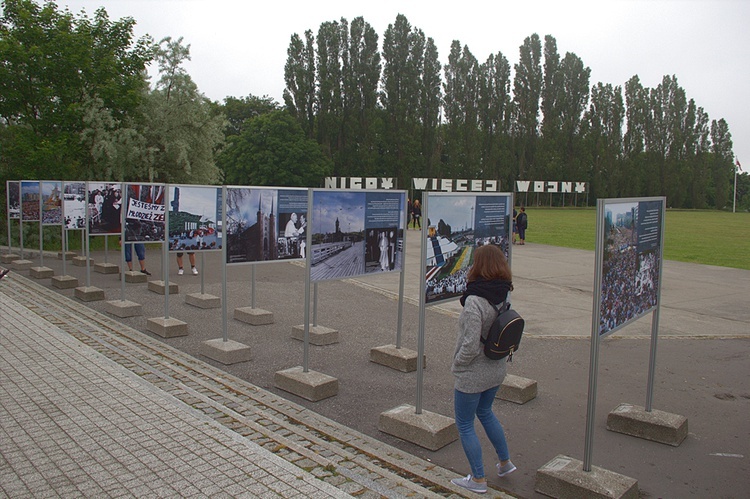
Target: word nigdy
454,185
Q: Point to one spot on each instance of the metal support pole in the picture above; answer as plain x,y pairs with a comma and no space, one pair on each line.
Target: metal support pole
422,306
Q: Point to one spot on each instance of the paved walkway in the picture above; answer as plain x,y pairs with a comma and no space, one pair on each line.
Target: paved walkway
77,424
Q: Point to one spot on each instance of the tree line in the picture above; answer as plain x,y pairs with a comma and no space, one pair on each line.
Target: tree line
399,112
76,102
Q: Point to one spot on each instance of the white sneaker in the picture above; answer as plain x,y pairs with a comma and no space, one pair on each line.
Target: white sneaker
195,271
180,272
506,469
469,484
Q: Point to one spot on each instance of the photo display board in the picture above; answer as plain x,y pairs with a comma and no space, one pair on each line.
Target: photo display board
104,201
195,218
13,194
51,191
265,224
30,200
356,232
458,223
74,205
631,260
145,211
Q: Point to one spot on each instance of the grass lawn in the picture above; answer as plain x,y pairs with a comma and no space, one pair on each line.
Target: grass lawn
708,237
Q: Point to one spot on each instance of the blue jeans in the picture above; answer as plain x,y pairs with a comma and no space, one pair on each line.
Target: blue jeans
467,406
140,251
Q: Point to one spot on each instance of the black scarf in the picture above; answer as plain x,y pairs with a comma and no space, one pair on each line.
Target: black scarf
496,291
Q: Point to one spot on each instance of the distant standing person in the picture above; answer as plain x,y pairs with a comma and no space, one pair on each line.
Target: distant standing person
515,225
191,257
522,221
417,214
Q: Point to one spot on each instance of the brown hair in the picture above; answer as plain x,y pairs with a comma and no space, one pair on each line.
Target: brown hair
489,264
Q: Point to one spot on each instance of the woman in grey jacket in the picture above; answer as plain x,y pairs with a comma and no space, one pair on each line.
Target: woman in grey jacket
477,377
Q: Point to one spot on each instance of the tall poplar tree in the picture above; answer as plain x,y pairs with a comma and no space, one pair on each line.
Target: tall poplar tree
403,59
527,88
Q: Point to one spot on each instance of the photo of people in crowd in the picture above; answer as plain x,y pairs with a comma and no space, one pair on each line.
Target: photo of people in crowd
194,218
74,205
51,191
30,200
458,223
631,262
104,201
145,213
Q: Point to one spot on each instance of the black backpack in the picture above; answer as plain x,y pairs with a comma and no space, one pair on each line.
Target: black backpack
505,333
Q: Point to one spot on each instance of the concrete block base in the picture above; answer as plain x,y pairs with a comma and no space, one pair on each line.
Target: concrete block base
21,264
564,477
429,430
41,272
9,257
106,268
89,293
400,359
659,426
167,328
64,281
124,308
133,276
80,261
253,316
227,352
159,287
69,255
202,300
310,385
517,389
319,335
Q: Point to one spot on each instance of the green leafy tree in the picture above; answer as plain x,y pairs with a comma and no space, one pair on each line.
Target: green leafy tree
299,76
54,67
527,88
722,166
403,63
429,110
181,130
273,150
461,104
240,109
360,115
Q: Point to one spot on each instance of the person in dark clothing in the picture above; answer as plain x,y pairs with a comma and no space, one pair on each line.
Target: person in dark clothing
522,221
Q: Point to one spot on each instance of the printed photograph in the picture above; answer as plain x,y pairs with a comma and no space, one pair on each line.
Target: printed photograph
265,224
630,263
338,235
51,202
456,225
105,208
14,199
144,215
74,205
30,200
194,218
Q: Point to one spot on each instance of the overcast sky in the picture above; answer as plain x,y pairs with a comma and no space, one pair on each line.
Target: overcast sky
239,47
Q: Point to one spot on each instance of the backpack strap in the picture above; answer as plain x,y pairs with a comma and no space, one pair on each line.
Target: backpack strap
499,310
